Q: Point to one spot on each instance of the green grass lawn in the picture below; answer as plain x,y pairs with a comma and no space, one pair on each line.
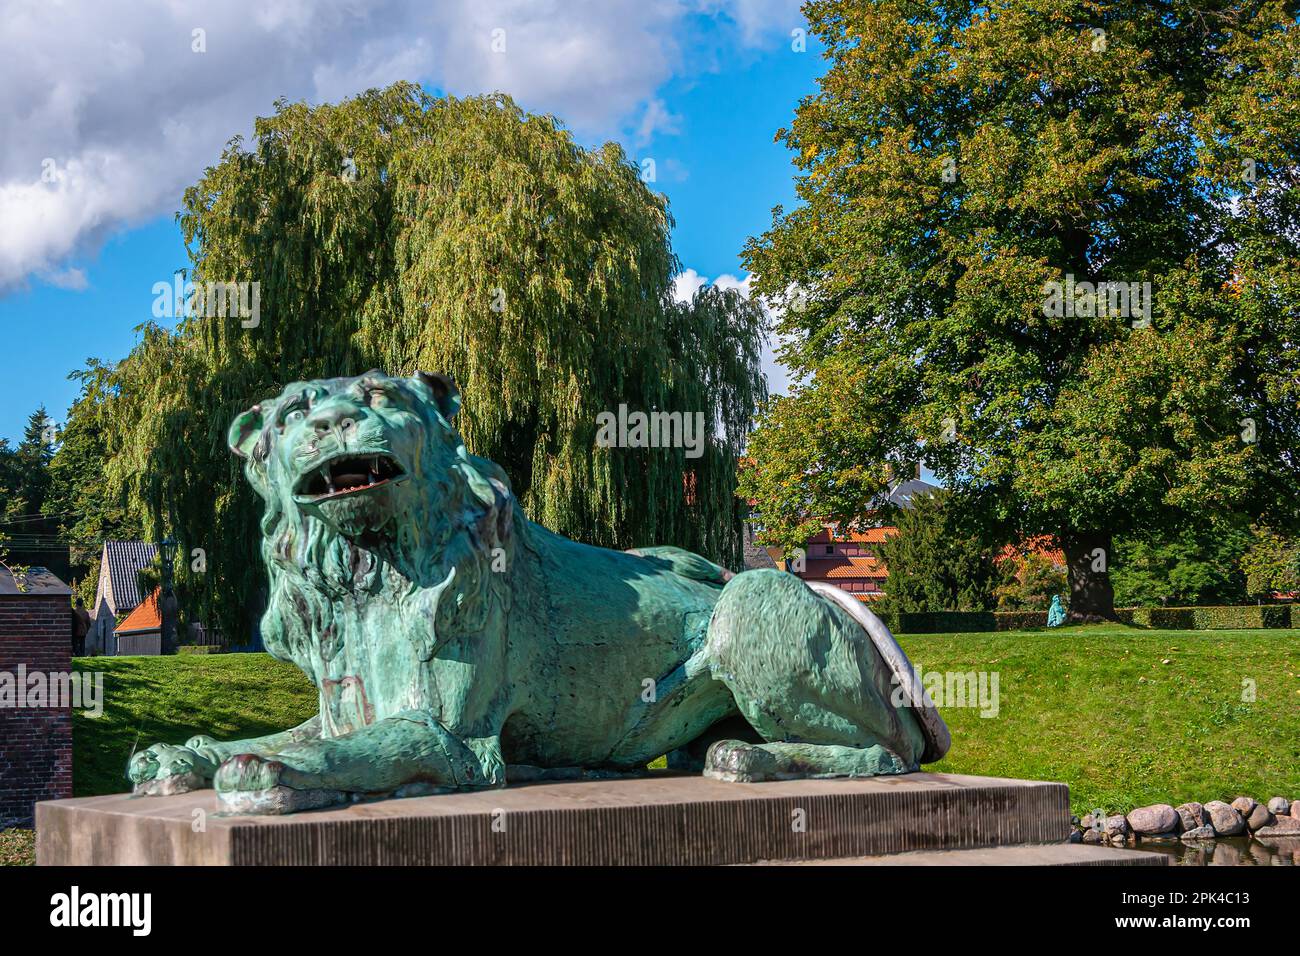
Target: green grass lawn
1093,707
1096,708
1073,706
170,699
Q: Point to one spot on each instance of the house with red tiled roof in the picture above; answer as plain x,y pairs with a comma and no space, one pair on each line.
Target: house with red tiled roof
1044,546
849,560
118,591
140,632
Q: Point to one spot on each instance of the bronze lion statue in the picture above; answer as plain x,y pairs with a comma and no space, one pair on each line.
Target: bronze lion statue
456,644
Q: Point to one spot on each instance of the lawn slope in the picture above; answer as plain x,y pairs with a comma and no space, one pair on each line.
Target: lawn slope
1094,707
1097,708
170,699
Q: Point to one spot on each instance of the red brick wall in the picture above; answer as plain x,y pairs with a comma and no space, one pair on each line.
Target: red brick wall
35,743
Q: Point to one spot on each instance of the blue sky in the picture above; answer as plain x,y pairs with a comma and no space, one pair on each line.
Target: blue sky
699,86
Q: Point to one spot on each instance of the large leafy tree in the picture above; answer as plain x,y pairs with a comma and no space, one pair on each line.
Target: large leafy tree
80,504
1271,563
399,231
8,486
1029,581
30,538
1195,565
960,157
30,467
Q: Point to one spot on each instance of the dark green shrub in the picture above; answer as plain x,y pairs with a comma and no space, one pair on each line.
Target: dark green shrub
1227,617
1020,620
955,622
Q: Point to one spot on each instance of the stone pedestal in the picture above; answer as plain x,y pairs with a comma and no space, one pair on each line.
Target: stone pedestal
660,820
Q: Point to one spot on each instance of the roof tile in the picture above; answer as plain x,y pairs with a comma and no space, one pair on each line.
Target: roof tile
145,617
124,560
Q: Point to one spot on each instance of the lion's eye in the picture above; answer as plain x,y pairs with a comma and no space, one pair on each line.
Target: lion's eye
295,416
378,398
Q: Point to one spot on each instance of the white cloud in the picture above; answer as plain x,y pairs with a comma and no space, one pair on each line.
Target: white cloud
657,120
115,96
687,284
742,286
758,19
69,278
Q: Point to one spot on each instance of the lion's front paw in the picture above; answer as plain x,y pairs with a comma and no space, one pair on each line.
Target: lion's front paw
165,769
248,783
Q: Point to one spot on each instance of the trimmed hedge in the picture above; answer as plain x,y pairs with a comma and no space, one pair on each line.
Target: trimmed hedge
1234,618
1020,620
952,622
1227,617
199,649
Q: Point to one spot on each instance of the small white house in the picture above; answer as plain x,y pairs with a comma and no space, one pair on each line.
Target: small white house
118,592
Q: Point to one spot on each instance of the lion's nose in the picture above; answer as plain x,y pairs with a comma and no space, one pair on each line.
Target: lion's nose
336,418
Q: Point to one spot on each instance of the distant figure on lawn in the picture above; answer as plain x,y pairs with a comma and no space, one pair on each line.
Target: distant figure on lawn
80,628
1056,613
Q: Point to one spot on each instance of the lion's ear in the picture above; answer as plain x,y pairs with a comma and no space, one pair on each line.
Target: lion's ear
445,393
244,431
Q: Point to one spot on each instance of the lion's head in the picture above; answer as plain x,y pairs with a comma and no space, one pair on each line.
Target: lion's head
344,450
369,491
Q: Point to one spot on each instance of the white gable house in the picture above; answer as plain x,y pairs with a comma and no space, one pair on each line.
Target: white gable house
118,592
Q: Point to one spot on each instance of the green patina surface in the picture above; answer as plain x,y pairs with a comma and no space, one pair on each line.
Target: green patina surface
451,638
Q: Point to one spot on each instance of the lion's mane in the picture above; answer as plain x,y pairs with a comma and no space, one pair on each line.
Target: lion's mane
440,566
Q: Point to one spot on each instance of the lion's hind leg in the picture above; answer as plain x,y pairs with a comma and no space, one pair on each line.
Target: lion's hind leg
683,705
808,678
741,762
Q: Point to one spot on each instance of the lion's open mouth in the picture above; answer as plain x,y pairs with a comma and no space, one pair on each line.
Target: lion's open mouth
349,475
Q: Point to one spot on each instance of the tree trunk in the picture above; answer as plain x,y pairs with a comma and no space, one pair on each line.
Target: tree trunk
1087,561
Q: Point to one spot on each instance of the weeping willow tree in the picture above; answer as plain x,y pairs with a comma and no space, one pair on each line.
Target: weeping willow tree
403,232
